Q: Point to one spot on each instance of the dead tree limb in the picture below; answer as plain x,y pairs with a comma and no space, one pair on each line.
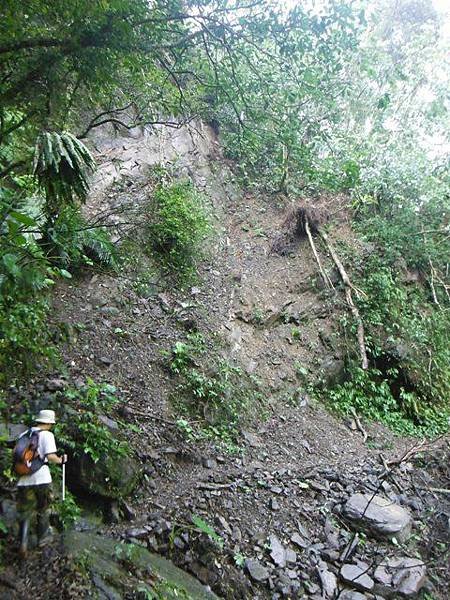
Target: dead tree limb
420,447
433,289
348,296
326,279
358,424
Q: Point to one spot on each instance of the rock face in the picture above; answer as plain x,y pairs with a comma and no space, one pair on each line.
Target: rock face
380,516
402,576
110,477
111,566
10,432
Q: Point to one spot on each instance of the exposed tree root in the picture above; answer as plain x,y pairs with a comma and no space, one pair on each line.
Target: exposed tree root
325,277
348,296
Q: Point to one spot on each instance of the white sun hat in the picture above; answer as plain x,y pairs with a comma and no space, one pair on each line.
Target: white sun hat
46,416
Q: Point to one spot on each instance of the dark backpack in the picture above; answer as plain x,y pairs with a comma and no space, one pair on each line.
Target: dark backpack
26,459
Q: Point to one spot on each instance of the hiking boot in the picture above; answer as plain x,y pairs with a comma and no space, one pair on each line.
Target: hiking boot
24,528
44,531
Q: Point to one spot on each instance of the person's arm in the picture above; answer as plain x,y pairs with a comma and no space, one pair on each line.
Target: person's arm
57,460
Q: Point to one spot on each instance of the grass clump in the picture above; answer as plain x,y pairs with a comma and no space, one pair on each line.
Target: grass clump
178,229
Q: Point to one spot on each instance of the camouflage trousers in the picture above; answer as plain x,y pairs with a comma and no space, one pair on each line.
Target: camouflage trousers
33,499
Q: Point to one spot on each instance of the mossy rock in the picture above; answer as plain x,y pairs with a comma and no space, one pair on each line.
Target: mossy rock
111,477
123,568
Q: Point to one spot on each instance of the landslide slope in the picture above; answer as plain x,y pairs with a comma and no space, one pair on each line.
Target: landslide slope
259,305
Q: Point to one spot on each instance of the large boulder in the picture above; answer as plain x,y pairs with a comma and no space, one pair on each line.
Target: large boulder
401,576
378,515
9,432
112,477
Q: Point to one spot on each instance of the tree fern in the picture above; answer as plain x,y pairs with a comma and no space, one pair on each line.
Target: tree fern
62,165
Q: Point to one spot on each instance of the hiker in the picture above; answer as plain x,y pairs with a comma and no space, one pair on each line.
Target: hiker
34,489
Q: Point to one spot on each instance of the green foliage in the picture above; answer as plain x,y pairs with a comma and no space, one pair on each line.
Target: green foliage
203,526
178,228
61,165
29,266
68,511
24,338
74,243
219,395
370,394
83,431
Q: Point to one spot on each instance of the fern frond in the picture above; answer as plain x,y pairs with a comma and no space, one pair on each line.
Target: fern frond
61,165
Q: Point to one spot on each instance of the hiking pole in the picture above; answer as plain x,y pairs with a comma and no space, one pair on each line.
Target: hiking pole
63,481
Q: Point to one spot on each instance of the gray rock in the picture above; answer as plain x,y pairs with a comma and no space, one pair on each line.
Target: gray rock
9,432
332,371
291,557
104,360
223,524
328,580
110,477
402,576
256,570
55,385
137,533
104,561
277,551
352,595
109,423
109,310
300,541
382,517
357,577
274,504
236,534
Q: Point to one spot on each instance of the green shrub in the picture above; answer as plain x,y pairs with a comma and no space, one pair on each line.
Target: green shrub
83,432
178,229
68,512
73,243
25,338
369,394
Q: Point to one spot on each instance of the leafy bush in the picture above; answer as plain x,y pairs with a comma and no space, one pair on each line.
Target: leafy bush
84,432
24,337
68,512
178,229
74,243
407,342
369,394
30,263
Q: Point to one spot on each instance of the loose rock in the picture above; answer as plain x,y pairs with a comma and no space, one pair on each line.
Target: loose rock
357,577
256,570
380,516
277,553
401,576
